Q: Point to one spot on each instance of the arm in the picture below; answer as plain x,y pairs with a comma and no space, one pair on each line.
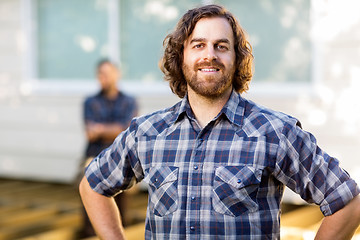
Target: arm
106,131
342,224
103,213
97,129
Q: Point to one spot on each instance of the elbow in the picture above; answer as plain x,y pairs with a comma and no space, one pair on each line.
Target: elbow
83,187
357,207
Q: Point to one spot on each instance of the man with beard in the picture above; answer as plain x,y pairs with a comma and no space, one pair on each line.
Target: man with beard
216,163
106,115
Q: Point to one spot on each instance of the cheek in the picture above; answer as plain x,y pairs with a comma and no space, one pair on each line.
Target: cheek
186,60
190,58
230,62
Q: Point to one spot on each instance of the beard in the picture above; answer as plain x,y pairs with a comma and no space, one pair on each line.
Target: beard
211,87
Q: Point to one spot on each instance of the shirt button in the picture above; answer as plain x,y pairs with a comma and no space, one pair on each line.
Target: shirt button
239,181
192,198
196,167
192,228
156,180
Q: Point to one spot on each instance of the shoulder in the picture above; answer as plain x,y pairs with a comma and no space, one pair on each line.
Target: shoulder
155,122
259,119
92,98
125,98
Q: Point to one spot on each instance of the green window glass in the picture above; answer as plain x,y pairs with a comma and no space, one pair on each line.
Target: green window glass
279,33
72,35
144,24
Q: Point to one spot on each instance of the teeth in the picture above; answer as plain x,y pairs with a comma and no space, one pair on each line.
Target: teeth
209,70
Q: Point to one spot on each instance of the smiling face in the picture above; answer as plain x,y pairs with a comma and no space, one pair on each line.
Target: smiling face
209,58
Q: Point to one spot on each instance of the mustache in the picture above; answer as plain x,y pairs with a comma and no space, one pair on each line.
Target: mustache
214,63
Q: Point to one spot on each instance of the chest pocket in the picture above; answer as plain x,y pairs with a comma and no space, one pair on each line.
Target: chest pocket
163,192
235,189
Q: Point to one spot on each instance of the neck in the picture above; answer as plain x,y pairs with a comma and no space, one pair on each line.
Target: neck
206,109
111,93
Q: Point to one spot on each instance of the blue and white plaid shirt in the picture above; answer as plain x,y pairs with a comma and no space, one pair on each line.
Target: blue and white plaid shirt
224,181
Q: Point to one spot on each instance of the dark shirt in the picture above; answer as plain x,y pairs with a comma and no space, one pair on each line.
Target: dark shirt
100,109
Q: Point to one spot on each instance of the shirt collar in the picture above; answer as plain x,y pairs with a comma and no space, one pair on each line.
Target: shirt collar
234,109
184,108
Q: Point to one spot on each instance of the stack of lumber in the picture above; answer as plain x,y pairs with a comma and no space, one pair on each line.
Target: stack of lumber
32,208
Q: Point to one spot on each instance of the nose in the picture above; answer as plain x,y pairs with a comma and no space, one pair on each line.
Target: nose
209,53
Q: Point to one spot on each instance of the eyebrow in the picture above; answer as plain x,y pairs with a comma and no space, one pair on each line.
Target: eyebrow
222,40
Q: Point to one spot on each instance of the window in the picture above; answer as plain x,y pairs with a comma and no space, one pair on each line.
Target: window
72,36
144,25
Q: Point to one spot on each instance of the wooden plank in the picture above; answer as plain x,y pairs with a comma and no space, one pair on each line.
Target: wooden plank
29,208
57,234
69,196
93,238
64,199
295,233
5,185
27,215
6,209
134,232
302,218
61,220
35,189
35,209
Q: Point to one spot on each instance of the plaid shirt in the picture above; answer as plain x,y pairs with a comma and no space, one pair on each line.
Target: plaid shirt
100,109
224,181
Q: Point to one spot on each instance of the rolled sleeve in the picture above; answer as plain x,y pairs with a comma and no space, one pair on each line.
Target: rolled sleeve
96,179
114,169
312,173
338,198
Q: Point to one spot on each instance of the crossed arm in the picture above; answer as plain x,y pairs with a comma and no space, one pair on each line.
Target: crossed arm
105,131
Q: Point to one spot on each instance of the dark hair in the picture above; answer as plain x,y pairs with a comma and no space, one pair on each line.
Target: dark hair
172,60
104,61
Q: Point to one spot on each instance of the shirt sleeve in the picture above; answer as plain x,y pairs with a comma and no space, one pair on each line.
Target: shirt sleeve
88,114
115,168
317,177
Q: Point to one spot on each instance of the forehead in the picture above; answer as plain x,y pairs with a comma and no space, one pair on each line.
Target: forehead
212,29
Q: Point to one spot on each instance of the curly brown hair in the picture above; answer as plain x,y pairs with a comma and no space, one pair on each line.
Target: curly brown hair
172,60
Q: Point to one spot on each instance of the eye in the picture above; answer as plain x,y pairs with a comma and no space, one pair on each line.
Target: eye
200,45
222,47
